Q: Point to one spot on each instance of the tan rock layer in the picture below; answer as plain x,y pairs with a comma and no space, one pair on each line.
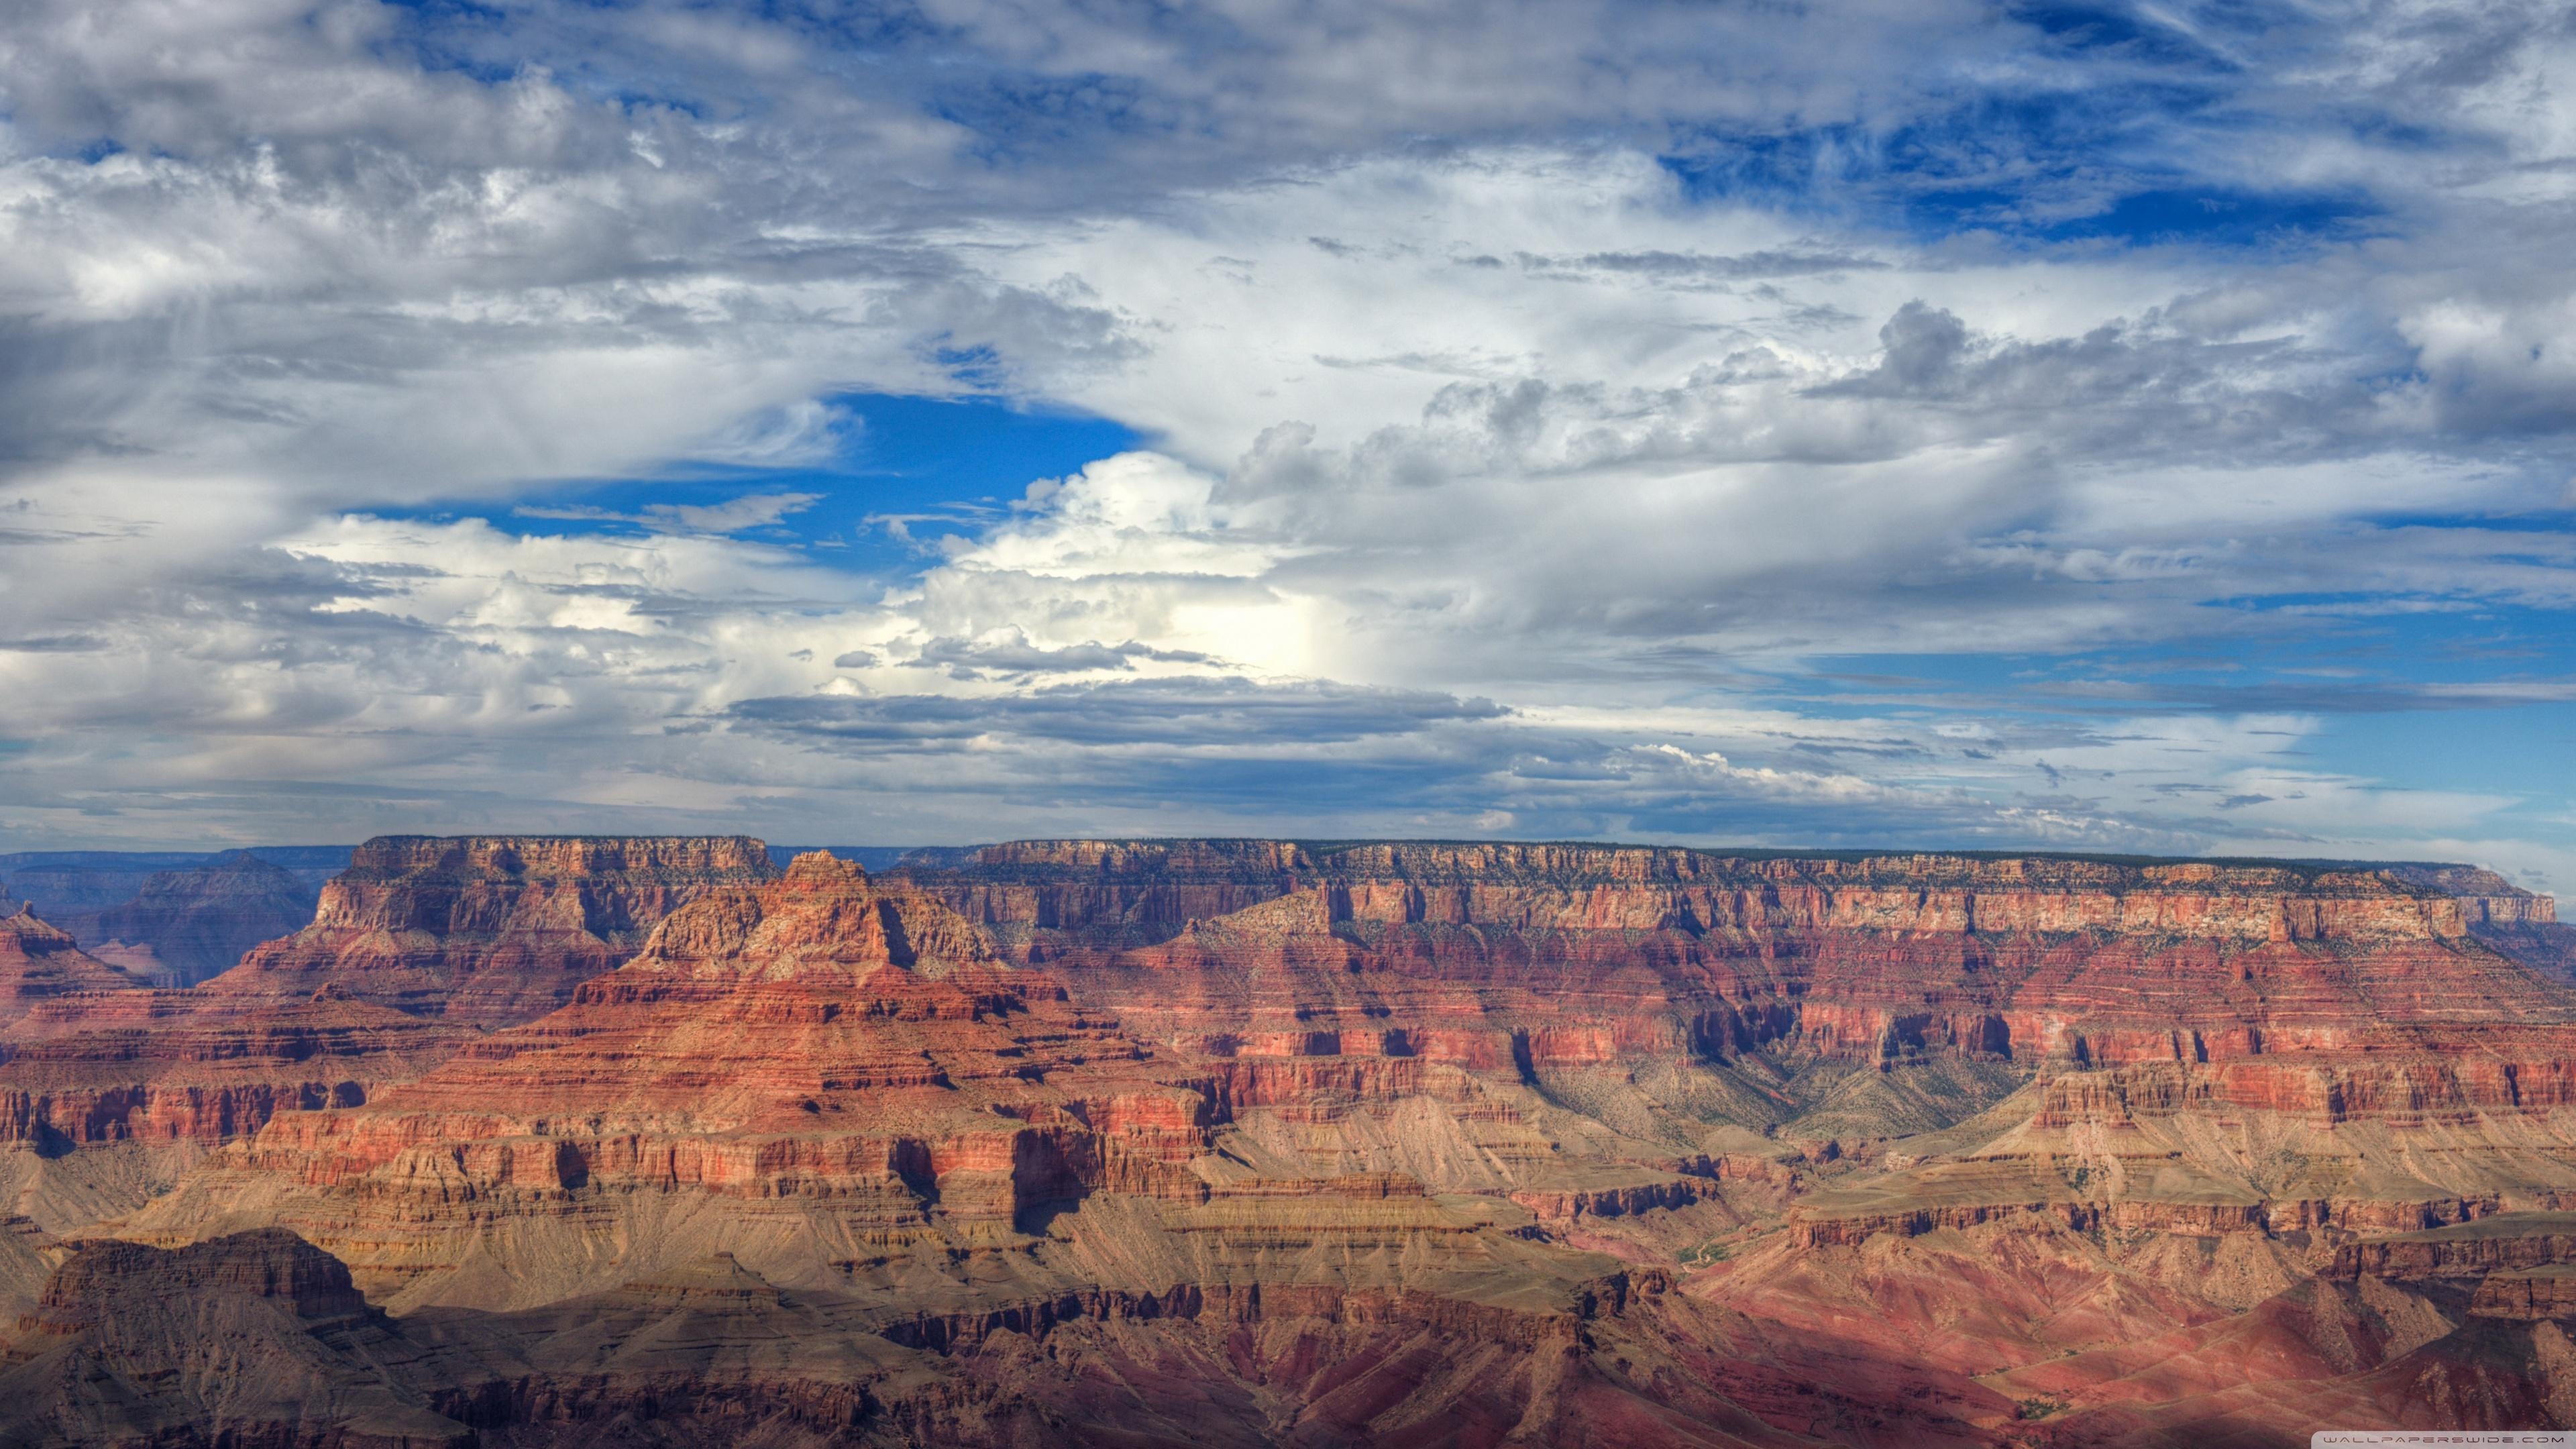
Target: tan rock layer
488,930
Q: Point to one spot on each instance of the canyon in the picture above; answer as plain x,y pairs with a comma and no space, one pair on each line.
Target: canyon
173,918
550,1140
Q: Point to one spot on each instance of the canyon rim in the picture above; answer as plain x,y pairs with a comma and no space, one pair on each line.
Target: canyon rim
565,1140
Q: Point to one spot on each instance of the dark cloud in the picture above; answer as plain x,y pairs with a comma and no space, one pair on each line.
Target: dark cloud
1157,712
55,644
1017,656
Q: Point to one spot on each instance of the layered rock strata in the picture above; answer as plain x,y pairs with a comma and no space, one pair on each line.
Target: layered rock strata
1261,1142
1871,959
488,930
843,1090
809,1041
1664,989
40,962
420,943
168,1067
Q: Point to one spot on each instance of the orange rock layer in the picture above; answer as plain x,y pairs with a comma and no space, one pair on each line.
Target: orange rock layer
418,943
488,930
1560,1144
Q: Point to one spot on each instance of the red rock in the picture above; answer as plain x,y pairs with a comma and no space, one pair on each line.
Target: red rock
2528,1294
1251,1140
168,1067
41,962
2467,1250
417,943
488,930
1575,955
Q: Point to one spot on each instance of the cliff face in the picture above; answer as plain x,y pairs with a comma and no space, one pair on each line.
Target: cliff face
1492,954
488,930
1246,1141
2486,898
171,1069
419,943
40,962
1081,888
809,1040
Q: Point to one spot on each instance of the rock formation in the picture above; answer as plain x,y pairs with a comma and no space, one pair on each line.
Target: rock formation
40,962
412,949
487,930
183,926
1214,1142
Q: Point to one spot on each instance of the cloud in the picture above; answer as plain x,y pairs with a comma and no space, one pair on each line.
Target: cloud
734,515
1011,653
1165,712
1929,422
1665,266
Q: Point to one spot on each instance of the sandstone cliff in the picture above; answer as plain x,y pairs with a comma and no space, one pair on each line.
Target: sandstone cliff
1253,1142
420,942
488,930
41,962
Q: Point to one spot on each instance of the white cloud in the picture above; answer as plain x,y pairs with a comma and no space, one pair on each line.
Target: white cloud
1500,476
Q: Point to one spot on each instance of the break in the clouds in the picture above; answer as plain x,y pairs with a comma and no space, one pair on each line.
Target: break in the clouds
2091,427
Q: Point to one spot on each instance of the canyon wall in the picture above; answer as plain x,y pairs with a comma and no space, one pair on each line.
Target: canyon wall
1264,1141
488,930
419,944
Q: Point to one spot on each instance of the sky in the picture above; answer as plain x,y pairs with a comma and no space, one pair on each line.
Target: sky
2145,428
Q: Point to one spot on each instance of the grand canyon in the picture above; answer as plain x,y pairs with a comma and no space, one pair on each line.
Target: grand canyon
1120,724
524,1141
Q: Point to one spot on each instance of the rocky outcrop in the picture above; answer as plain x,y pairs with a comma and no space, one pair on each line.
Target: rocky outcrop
1608,1199
810,1038
488,930
167,1067
419,943
1074,894
2467,1250
40,962
2527,1294
2150,1011
1578,955
254,1339
2487,900
104,1275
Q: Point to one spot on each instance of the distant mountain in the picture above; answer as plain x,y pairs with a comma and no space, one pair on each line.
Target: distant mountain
172,917
866,857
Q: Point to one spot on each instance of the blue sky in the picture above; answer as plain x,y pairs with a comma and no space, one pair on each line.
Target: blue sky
2083,427
897,475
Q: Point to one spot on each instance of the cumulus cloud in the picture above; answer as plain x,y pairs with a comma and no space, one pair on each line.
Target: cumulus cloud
1921,423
